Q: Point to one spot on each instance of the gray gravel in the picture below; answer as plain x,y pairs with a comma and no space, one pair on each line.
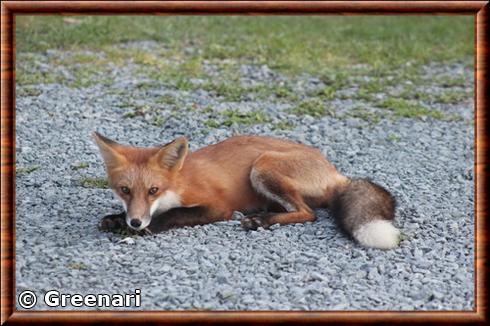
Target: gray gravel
312,266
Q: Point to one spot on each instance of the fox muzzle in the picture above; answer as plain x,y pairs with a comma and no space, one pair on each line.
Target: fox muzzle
138,224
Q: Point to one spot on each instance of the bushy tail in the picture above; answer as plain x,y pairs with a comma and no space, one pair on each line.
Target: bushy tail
365,211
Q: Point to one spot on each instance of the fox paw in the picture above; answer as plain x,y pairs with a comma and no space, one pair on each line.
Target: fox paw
113,222
253,222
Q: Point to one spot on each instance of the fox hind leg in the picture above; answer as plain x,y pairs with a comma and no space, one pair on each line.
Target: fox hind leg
273,185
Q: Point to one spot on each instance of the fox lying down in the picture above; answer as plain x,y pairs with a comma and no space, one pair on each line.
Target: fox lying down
270,180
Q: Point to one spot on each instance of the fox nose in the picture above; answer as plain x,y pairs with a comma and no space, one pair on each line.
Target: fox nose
135,223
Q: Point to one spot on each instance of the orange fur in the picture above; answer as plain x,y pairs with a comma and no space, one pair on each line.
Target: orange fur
218,177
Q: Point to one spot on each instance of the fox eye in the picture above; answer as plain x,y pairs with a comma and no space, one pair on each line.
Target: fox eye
153,190
125,190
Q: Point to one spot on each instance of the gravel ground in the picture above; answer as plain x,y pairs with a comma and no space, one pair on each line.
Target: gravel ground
426,162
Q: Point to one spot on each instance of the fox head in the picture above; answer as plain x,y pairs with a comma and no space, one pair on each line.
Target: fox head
144,179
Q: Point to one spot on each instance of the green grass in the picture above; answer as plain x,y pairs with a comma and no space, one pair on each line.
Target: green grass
364,94
450,81
313,107
244,118
80,166
84,78
293,44
233,91
83,72
159,68
211,123
24,77
283,125
376,85
280,91
394,138
451,97
327,93
444,97
77,266
339,50
27,169
137,110
408,109
166,99
158,121
25,91
228,91
371,117
94,183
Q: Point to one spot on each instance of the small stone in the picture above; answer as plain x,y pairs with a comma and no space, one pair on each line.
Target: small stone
127,240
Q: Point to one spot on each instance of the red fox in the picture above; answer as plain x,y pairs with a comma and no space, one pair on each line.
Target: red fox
270,180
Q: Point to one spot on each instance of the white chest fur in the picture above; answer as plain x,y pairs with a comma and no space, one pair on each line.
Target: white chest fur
165,202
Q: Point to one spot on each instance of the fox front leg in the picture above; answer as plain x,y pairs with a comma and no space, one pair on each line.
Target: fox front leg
114,222
186,216
117,223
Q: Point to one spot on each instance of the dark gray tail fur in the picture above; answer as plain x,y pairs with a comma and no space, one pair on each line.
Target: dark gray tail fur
358,205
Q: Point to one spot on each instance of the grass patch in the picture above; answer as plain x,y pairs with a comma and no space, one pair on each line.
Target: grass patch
84,58
80,166
78,266
376,85
25,77
394,138
146,86
244,118
166,99
138,111
206,110
371,117
231,92
445,97
292,44
80,59
84,77
179,74
211,123
410,93
158,121
283,92
146,58
334,81
407,109
312,107
184,84
27,169
451,97
94,183
283,125
449,81
29,92
327,93
116,56
365,95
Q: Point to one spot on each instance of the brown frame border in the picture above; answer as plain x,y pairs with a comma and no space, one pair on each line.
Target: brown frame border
480,9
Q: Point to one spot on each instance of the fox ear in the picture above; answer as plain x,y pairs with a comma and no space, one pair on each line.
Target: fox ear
109,150
172,155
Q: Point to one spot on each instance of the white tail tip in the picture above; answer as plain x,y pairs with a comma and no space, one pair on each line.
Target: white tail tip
379,234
